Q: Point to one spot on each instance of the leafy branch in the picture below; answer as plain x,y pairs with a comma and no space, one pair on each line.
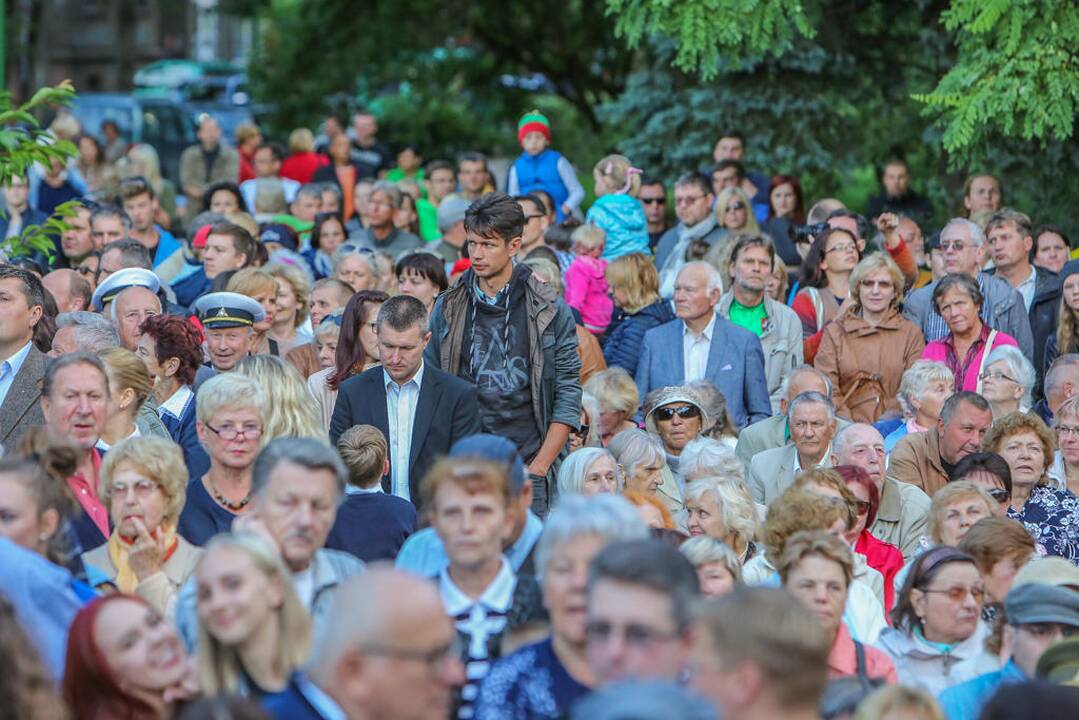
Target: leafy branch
23,144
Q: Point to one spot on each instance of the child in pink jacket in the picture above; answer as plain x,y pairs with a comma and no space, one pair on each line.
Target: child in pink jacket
586,286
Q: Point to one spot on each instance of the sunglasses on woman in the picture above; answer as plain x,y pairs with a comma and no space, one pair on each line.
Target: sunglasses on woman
685,412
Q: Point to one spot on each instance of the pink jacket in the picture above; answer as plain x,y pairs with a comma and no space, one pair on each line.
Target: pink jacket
940,350
586,292
843,660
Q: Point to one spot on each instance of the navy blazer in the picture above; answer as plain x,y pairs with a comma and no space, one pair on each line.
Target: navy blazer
447,410
735,366
291,704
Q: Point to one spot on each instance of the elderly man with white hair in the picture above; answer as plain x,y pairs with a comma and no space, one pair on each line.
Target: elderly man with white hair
812,422
699,344
962,242
903,514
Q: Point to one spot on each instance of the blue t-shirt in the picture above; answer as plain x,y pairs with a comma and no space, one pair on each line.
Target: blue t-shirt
202,518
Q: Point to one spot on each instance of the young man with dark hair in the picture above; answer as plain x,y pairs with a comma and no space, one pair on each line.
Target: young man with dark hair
514,338
896,194
420,409
471,175
140,204
108,223
693,203
228,247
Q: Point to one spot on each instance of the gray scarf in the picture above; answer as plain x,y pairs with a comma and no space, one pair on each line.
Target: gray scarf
677,258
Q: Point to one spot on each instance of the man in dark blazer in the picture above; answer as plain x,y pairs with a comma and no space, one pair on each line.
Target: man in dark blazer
420,409
379,618
701,345
22,366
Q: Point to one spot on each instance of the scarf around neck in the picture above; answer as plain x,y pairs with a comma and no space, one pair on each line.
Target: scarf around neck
120,549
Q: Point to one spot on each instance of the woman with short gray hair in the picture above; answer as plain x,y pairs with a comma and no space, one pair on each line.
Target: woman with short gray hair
642,463
356,267
545,678
588,471
1008,381
922,391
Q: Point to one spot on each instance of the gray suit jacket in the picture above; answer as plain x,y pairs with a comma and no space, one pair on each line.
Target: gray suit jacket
22,407
772,472
767,434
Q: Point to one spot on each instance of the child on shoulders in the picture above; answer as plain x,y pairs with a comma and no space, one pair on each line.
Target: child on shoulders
586,283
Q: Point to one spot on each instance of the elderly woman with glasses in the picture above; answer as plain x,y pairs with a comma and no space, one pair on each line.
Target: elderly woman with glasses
143,483
966,348
937,637
228,410
1007,381
1064,472
1050,514
542,680
675,414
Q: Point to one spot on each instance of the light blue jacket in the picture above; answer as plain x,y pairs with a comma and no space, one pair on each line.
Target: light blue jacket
622,218
965,700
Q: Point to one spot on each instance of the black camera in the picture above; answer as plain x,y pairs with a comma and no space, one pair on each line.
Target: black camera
806,233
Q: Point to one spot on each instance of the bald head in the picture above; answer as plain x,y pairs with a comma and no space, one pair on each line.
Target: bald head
862,446
387,648
804,378
1062,380
69,289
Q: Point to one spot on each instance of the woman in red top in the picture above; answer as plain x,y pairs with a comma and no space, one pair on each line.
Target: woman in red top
879,555
124,661
302,161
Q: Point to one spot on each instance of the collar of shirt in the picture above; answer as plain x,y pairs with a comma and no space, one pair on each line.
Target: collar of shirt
325,705
177,402
498,596
517,553
14,363
823,462
353,490
1028,287
487,299
416,379
705,334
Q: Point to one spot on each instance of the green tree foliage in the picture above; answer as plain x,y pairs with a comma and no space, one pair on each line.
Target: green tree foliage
24,143
447,72
711,33
1017,73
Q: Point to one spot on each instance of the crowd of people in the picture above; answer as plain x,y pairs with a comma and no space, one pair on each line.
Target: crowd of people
339,433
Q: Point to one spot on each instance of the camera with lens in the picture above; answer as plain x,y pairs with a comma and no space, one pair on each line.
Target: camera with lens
806,233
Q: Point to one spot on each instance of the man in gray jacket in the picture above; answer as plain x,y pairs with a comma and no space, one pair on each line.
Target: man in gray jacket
1003,308
747,305
513,337
693,204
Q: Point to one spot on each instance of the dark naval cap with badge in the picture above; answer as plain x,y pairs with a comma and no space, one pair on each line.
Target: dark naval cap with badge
228,310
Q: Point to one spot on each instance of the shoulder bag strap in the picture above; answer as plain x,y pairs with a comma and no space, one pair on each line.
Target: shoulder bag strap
985,356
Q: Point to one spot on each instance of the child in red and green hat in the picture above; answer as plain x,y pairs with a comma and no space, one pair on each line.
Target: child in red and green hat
541,168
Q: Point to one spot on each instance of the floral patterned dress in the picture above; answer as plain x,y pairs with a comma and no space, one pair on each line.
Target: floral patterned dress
1051,516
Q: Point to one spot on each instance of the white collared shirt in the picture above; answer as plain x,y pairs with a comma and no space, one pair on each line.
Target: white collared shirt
401,403
10,368
823,463
695,350
1027,288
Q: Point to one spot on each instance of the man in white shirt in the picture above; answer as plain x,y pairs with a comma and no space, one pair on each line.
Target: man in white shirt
812,422
22,366
468,501
420,409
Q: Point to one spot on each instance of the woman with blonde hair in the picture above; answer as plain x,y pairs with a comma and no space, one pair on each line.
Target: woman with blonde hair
634,285
144,486
1064,472
287,410
293,303
1066,339
261,287
617,211
722,509
618,400
229,423
129,385
866,350
254,633
734,214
